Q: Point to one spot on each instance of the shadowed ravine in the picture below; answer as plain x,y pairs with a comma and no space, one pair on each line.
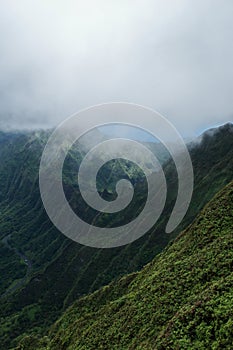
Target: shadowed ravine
26,260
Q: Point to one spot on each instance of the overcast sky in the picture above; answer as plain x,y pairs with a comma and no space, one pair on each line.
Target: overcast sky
58,56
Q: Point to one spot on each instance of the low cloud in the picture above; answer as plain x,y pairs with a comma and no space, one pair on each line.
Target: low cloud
60,56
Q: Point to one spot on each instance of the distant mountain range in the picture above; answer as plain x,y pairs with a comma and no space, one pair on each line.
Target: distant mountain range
42,271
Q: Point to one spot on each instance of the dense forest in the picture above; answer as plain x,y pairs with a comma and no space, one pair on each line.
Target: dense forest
43,273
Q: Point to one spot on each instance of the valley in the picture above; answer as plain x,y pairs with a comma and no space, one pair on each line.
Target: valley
62,271
27,262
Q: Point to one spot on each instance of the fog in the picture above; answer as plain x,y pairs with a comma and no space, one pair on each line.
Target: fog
174,56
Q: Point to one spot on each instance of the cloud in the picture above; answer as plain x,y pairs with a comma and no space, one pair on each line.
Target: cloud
60,56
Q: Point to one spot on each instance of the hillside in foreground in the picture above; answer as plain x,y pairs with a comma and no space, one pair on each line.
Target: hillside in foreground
183,299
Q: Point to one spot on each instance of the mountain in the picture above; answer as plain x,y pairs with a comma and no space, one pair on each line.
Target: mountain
43,272
183,299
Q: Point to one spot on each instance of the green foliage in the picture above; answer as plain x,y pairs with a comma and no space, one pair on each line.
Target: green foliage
62,270
183,299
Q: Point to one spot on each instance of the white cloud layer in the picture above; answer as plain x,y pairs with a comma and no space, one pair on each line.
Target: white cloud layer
175,56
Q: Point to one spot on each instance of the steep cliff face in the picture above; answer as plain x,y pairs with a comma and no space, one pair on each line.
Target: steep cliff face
183,299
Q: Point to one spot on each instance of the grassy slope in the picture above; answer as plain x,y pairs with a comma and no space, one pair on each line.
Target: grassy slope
183,299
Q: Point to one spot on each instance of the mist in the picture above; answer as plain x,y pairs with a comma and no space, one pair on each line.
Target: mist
174,56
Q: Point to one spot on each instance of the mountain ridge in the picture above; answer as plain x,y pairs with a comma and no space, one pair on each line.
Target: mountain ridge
63,270
182,299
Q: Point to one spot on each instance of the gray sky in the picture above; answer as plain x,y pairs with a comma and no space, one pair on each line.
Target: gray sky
175,56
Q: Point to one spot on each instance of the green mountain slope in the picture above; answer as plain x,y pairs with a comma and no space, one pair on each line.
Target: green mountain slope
183,299
62,270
